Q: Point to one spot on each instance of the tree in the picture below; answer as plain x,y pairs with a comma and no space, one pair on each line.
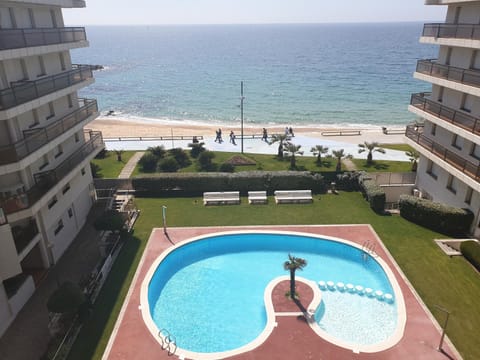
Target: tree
169,164
370,147
281,139
110,220
293,264
292,150
181,156
317,151
158,151
339,155
413,155
66,299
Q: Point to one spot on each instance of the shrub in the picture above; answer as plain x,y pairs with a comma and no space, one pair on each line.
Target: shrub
436,216
205,161
196,149
348,181
148,162
158,151
372,192
180,156
168,164
102,154
471,251
226,167
96,171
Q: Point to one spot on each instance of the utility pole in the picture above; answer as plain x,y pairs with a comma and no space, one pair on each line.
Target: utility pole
241,113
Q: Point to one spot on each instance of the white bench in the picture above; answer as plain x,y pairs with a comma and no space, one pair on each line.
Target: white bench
221,197
293,196
257,197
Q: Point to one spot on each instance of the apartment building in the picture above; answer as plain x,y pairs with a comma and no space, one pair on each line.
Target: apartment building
46,186
447,132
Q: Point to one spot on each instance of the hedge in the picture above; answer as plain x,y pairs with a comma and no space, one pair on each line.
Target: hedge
436,216
471,251
372,192
194,184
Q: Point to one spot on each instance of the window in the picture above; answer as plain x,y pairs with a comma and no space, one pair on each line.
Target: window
35,119
59,151
59,226
23,65
54,18
467,102
66,188
77,138
83,171
41,66
468,195
45,162
457,142
449,56
51,109
62,61
52,202
431,169
70,212
456,19
433,129
70,101
32,18
475,151
12,18
440,95
452,184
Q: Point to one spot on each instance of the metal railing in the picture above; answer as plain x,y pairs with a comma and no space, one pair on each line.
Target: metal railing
26,90
455,31
452,73
36,138
455,117
465,166
23,235
44,181
22,38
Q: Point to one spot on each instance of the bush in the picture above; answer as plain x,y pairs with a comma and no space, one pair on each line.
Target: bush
471,251
180,156
96,171
168,164
196,149
372,192
348,181
436,216
148,162
102,154
205,161
227,167
158,151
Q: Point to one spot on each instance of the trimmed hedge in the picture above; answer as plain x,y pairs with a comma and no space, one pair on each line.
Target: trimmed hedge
471,251
195,184
436,216
372,192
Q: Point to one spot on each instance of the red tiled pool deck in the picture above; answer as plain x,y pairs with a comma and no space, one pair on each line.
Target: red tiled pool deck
292,338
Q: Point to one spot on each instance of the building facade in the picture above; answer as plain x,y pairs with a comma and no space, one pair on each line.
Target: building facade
46,187
447,132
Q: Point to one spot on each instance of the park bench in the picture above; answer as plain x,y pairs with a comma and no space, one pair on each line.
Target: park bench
221,198
257,197
293,196
341,133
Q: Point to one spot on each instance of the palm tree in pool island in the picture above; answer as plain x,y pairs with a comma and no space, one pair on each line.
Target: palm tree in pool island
293,264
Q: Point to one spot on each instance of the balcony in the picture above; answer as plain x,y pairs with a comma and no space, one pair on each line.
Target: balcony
452,31
466,167
23,38
23,235
451,73
46,180
36,138
23,91
455,117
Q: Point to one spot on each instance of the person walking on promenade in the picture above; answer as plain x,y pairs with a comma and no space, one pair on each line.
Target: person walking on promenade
265,135
232,138
218,138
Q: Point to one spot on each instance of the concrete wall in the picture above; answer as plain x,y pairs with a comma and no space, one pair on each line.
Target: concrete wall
9,264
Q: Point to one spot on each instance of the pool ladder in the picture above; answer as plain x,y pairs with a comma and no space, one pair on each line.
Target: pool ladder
368,248
167,341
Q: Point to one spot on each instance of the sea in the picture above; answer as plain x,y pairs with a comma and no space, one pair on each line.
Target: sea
337,75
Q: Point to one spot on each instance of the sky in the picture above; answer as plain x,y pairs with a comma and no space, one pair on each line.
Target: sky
159,12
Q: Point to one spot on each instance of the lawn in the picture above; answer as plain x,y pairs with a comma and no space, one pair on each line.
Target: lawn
399,147
383,165
109,166
440,280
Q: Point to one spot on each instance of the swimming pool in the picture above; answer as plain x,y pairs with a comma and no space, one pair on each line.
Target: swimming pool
209,291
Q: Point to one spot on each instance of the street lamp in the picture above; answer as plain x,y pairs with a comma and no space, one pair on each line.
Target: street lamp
164,217
241,114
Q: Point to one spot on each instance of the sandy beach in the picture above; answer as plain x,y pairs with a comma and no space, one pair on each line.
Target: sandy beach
115,130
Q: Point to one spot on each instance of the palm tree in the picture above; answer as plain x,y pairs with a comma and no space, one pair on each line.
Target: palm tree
281,139
339,154
119,154
318,150
292,150
293,264
413,156
370,147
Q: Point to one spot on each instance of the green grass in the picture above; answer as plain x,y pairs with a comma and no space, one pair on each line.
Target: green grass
440,280
383,165
110,167
399,147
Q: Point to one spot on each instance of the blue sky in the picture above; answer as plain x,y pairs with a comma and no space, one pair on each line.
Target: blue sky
149,12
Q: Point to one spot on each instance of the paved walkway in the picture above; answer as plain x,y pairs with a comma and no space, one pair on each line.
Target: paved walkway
28,336
130,165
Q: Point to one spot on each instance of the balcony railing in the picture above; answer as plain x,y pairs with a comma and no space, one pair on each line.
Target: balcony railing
463,76
455,117
22,38
44,181
23,235
467,167
36,138
23,91
455,31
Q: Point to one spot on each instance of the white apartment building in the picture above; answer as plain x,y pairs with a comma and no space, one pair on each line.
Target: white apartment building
46,186
448,138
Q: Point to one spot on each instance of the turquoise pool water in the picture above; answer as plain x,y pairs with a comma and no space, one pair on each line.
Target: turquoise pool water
209,293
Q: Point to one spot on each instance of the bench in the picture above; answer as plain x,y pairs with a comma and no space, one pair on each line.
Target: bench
221,197
293,196
341,133
393,131
257,197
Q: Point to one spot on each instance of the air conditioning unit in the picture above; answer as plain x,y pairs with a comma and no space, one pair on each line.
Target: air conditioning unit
417,193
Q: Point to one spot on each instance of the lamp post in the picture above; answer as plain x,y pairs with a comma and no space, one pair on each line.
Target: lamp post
241,114
444,328
164,217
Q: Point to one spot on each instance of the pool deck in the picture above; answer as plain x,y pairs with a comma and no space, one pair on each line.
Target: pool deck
292,338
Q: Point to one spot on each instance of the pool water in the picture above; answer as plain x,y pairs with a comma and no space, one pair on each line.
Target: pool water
209,293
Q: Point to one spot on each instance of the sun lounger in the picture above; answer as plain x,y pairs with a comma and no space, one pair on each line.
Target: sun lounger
221,198
293,196
257,197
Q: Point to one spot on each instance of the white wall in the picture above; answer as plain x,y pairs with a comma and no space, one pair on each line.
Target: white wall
9,264
6,316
